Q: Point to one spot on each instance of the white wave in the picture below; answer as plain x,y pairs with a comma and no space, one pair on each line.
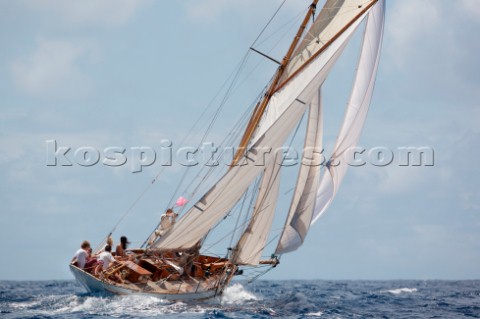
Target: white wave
132,305
236,294
314,314
402,290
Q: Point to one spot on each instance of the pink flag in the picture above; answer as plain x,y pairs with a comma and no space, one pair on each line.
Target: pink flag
181,201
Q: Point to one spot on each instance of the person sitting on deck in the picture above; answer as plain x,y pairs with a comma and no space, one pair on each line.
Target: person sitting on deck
120,250
81,256
91,263
105,259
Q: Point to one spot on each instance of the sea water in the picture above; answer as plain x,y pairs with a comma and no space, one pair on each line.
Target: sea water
262,299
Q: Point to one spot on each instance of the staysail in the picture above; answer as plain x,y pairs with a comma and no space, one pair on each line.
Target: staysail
356,112
303,200
250,246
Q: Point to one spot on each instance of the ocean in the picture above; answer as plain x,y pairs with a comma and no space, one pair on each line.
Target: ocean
261,299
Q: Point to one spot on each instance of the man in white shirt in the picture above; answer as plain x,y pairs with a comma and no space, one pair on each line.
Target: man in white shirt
81,255
104,260
106,257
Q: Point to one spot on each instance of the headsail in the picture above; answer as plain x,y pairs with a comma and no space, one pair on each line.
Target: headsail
303,201
251,244
357,109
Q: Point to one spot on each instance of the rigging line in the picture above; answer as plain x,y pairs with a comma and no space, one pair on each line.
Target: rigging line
260,273
251,190
212,168
221,106
248,220
238,219
230,137
290,22
268,23
142,194
224,237
226,96
229,92
276,176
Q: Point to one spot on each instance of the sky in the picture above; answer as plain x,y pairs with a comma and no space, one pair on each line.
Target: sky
131,74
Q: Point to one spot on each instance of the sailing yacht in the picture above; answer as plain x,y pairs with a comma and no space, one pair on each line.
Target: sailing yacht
174,264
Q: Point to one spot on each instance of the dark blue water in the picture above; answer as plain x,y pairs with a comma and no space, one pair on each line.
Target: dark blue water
263,299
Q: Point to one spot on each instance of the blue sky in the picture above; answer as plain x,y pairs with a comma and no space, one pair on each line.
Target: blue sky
131,73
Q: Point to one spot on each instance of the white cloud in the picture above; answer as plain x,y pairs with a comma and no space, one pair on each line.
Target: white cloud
54,68
471,8
411,22
205,11
85,13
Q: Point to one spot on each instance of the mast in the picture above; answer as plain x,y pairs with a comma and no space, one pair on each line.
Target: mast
262,105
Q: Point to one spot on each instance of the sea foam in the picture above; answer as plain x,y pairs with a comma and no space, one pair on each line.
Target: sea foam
402,290
236,294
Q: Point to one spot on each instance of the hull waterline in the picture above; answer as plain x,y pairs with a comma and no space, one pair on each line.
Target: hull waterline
94,285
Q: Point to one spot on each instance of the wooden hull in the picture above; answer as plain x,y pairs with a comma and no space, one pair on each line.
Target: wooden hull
181,291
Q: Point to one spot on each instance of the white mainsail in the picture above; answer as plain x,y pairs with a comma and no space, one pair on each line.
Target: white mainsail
357,109
303,200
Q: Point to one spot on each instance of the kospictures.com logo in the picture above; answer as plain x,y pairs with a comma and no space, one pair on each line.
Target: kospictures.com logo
208,154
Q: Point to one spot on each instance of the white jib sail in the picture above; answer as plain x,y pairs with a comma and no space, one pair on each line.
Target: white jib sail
303,200
356,112
252,242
